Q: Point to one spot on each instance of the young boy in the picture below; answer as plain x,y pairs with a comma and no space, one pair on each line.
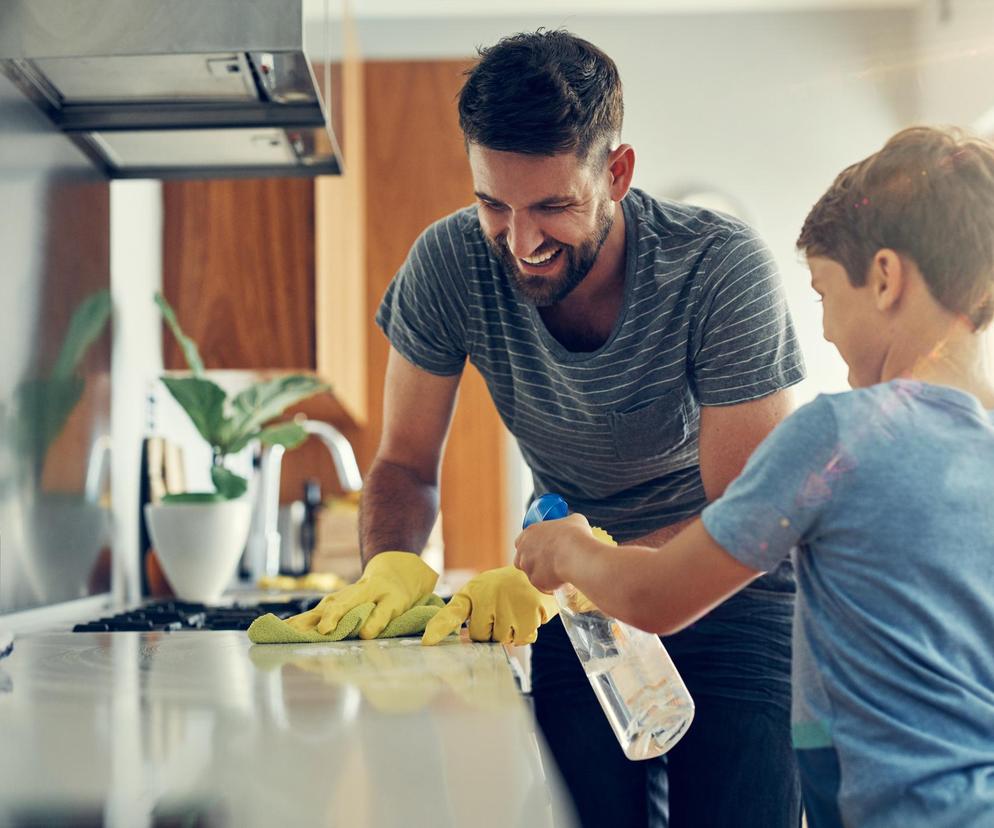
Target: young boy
882,495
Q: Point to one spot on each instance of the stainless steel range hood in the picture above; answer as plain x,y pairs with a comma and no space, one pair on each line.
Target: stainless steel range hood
174,88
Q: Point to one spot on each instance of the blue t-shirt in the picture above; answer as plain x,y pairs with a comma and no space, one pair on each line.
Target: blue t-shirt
883,496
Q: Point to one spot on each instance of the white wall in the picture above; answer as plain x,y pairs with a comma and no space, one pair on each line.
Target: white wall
955,41
765,107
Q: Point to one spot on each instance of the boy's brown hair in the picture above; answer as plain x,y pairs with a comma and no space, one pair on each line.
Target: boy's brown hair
929,195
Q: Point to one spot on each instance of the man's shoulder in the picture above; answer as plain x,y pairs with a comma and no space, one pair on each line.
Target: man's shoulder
452,233
450,250
682,241
666,219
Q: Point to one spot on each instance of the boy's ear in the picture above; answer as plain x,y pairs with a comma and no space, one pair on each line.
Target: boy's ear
887,278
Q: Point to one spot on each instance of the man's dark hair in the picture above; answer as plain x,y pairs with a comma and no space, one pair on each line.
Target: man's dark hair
928,194
542,93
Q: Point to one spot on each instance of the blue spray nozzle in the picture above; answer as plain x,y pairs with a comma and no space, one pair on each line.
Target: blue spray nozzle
546,507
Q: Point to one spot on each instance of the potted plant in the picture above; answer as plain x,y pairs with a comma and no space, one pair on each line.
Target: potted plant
199,536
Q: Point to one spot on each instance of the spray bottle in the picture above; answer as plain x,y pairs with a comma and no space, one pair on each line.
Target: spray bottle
634,678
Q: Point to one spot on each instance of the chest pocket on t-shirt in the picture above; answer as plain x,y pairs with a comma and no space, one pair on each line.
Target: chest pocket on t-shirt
650,429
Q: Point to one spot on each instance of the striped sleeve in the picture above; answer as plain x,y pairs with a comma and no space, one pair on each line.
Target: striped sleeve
423,312
744,345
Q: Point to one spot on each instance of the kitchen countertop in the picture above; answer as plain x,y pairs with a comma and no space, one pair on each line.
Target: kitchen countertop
204,728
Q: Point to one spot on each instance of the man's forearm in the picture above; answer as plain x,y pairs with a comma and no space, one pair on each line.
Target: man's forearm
397,511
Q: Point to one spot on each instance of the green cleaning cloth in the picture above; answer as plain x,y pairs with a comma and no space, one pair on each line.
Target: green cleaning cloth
268,629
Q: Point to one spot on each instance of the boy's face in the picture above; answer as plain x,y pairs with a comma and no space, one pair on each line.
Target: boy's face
850,321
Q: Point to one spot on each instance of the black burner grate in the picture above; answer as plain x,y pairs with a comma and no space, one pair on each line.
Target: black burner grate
166,616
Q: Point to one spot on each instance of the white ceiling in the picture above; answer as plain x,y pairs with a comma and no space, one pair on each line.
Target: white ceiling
502,8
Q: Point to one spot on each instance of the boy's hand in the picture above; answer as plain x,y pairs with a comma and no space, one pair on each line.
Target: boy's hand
543,547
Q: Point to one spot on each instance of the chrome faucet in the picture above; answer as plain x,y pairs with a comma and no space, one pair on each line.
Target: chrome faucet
264,540
341,453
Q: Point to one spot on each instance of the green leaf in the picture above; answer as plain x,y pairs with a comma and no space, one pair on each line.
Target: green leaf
194,497
229,485
203,401
265,401
44,405
288,434
85,327
190,352
43,408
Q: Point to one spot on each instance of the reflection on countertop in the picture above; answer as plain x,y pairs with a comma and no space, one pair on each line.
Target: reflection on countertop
145,727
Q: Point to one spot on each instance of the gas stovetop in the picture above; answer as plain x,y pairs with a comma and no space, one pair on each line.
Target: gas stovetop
167,616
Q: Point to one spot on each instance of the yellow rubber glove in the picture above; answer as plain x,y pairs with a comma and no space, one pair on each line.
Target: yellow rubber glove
501,605
394,581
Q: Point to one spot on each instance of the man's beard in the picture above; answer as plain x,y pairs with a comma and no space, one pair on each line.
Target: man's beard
543,291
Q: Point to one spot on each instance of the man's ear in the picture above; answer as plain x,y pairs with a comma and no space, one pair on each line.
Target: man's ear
621,166
887,278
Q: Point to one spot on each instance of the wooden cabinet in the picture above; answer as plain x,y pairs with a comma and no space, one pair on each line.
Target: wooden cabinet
288,274
238,267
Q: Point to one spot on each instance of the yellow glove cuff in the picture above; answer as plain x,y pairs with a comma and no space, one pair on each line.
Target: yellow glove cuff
578,602
602,536
405,567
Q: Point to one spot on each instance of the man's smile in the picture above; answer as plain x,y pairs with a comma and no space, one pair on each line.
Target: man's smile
542,260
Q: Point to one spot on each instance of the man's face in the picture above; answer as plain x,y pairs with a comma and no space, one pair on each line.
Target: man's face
545,217
849,321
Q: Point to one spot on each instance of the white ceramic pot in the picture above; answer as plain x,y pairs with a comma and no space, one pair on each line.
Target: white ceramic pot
199,544
68,533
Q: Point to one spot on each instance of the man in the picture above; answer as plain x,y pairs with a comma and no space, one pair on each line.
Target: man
638,350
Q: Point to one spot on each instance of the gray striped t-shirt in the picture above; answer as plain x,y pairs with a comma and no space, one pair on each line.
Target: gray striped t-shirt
703,322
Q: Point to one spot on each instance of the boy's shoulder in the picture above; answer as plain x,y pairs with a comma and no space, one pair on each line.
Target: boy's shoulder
870,421
859,408
889,402
830,417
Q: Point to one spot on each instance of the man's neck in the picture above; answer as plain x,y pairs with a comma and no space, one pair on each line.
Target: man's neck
583,321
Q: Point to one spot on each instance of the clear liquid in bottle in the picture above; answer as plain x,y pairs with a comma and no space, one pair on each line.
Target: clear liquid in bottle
645,700
633,677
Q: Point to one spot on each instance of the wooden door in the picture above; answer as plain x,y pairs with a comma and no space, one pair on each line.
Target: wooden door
417,172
